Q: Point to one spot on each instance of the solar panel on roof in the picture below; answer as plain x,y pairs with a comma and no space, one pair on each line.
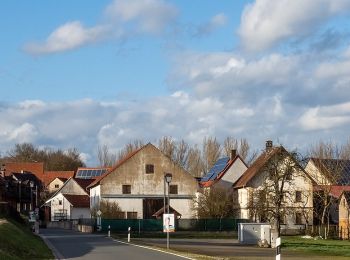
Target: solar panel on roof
216,169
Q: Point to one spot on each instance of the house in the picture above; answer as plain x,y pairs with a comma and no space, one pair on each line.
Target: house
55,184
332,177
225,172
49,176
254,190
71,201
137,184
344,215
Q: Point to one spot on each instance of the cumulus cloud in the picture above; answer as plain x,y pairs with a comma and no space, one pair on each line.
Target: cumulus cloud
326,117
66,37
151,16
134,16
265,23
209,27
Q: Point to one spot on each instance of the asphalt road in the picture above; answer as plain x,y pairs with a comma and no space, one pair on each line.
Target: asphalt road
68,244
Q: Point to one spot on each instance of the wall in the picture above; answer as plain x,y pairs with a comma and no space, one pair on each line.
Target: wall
55,206
51,187
315,174
143,185
235,171
80,213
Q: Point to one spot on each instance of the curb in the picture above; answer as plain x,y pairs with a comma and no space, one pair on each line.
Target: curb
55,252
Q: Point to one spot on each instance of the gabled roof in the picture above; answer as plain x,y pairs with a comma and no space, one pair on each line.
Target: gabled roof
161,211
119,163
336,170
259,163
78,201
26,177
218,170
334,190
49,176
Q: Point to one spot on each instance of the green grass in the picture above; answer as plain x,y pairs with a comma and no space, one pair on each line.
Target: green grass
324,247
18,242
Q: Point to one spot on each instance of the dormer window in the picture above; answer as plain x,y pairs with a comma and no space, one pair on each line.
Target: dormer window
149,168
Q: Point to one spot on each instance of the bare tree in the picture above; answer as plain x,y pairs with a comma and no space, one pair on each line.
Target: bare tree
129,148
167,145
211,152
214,203
105,157
110,210
181,153
330,159
242,146
194,162
273,199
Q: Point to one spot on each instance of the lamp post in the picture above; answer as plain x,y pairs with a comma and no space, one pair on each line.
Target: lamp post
19,195
167,179
31,184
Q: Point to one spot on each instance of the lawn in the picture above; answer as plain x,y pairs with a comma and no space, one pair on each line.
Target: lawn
18,242
322,247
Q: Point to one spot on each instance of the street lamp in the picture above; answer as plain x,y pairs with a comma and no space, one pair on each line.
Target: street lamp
31,184
167,179
19,195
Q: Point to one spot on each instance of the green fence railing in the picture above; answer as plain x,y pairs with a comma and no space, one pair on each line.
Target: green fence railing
150,225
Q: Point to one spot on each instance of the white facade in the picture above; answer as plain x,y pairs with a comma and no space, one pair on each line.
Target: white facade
232,175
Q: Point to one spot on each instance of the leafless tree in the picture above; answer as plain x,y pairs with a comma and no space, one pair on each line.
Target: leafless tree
194,162
105,157
211,152
215,202
129,148
110,210
242,146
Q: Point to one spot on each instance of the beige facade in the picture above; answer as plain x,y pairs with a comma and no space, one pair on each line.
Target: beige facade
137,185
344,216
55,185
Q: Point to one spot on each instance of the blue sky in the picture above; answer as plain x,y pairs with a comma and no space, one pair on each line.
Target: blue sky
82,74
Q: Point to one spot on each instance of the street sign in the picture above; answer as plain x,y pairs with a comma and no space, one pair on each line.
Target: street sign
168,223
32,216
99,213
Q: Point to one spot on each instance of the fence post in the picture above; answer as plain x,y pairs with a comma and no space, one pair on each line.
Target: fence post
129,229
109,230
139,226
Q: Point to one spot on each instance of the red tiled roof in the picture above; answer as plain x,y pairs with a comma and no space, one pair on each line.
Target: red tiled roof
49,176
334,190
78,201
36,168
119,163
84,183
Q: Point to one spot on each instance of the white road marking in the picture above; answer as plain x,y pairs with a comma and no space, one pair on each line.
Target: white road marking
154,249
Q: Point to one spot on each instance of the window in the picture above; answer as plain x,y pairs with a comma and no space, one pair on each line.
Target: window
289,175
173,189
57,186
60,202
126,189
131,215
298,218
149,168
298,196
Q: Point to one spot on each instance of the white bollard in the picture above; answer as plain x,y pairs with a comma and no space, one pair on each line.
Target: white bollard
129,229
278,248
109,230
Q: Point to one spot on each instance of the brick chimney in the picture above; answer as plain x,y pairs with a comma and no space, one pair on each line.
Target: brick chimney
233,154
269,145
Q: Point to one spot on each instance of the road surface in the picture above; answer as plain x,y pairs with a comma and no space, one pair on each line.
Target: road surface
68,244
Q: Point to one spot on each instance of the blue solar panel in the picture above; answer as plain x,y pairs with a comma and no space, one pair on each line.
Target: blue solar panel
216,169
340,169
90,173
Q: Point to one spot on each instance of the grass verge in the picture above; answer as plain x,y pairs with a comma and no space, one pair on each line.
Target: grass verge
322,247
18,242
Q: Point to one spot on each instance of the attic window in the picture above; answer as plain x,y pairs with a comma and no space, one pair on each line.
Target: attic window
149,168
126,189
298,196
173,189
57,186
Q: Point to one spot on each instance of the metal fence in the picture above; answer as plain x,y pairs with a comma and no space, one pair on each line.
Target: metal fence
151,225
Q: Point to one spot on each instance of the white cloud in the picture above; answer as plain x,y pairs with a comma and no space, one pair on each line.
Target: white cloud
266,22
66,37
326,117
209,27
122,19
22,134
151,16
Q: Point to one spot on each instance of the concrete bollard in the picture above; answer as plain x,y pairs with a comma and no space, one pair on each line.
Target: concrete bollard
129,229
109,230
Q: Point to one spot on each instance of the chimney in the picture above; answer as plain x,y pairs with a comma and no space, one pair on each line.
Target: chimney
269,145
233,154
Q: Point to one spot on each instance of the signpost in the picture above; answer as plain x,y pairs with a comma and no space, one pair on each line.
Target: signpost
99,213
168,223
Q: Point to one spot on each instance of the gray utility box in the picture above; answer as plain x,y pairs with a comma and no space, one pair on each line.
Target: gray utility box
251,233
